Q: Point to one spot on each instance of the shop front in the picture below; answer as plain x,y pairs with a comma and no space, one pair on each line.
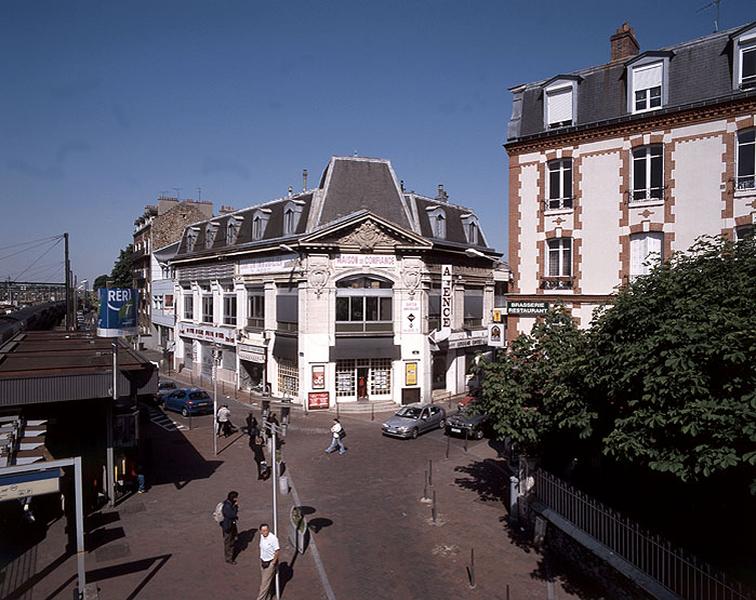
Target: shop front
252,367
364,368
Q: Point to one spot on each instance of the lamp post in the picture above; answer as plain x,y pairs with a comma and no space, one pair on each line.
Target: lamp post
275,430
216,363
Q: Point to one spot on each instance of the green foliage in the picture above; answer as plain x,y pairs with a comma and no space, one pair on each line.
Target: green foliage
674,359
537,388
121,274
664,378
100,281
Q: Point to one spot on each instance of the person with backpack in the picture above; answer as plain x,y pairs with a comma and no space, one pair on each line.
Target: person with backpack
226,514
337,436
224,421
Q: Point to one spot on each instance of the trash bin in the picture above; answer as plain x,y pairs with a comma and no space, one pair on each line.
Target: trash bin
283,484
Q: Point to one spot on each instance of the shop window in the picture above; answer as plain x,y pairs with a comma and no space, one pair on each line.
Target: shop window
380,377
288,377
345,379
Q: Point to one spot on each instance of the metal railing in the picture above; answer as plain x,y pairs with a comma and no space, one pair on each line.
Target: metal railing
674,568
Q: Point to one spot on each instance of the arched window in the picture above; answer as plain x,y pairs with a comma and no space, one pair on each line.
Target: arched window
364,305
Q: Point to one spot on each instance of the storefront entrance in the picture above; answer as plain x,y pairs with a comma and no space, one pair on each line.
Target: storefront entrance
439,371
362,387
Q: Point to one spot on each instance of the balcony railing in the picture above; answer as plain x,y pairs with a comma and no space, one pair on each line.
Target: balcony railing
557,283
364,327
255,323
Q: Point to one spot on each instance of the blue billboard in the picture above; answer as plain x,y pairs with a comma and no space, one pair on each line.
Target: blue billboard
118,310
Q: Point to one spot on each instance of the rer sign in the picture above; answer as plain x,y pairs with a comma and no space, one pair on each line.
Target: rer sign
117,312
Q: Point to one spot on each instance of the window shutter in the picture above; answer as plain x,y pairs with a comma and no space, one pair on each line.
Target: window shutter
637,253
559,105
653,248
647,76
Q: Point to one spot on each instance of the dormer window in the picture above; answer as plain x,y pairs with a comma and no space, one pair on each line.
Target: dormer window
191,238
210,231
232,230
647,81
437,218
292,212
259,223
559,107
471,228
744,63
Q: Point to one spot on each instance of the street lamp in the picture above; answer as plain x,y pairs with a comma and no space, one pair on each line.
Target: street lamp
216,363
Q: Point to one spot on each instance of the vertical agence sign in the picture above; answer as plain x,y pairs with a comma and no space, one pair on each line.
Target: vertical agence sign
447,300
117,312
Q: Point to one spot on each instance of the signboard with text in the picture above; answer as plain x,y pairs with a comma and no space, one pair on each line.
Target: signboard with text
410,373
524,308
410,316
447,302
118,309
364,260
317,400
37,483
318,377
496,335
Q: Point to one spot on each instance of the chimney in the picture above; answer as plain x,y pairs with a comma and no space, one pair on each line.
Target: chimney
304,180
624,44
225,209
442,196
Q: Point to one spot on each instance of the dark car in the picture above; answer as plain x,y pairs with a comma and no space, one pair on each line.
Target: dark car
467,423
189,401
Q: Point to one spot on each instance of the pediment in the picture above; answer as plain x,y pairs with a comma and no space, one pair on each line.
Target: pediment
366,234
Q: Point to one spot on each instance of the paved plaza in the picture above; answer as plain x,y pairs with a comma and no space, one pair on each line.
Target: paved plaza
373,536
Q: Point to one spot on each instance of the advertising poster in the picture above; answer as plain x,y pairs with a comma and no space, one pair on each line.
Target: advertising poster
318,377
118,308
317,400
496,335
410,373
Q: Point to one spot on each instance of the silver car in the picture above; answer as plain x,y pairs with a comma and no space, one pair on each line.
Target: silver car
413,419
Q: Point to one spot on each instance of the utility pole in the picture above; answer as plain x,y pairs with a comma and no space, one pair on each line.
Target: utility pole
275,430
216,363
69,320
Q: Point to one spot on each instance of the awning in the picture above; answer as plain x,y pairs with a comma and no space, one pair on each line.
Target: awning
286,347
365,347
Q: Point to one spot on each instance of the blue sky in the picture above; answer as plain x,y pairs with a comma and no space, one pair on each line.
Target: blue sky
105,105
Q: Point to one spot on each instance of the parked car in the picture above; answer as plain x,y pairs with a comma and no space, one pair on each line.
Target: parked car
467,423
188,401
413,419
165,387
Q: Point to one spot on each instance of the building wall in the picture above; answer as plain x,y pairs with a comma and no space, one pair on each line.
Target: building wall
699,157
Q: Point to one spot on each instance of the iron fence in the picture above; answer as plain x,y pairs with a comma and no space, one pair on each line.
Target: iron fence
674,568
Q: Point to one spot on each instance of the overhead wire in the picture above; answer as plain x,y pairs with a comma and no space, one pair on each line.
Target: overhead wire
36,245
35,261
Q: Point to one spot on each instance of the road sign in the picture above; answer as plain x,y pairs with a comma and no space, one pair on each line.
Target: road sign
21,485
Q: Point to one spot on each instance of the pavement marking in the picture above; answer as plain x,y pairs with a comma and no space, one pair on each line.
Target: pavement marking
162,420
314,550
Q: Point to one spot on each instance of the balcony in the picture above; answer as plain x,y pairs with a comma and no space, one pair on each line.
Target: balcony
557,283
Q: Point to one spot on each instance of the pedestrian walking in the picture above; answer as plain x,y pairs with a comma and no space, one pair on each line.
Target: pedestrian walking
224,421
252,426
230,512
269,554
273,421
258,454
337,436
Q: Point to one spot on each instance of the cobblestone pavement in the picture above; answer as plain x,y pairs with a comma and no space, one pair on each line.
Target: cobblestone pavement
373,535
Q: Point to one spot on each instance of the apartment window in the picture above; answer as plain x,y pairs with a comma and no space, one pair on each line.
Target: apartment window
645,252
256,308
559,107
363,305
191,239
232,231
647,86
560,184
257,228
189,306
287,309
434,308
229,309
473,307
744,232
648,173
288,222
207,309
560,257
747,58
746,178
288,376
437,218
472,233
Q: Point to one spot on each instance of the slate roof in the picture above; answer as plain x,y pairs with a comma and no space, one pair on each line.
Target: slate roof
349,186
699,70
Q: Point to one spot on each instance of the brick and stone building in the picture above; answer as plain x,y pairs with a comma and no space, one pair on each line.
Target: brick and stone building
614,167
159,226
336,293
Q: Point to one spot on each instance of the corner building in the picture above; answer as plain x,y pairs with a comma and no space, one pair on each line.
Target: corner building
334,294
615,167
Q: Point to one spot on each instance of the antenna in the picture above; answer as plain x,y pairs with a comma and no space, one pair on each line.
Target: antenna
199,193
713,4
178,192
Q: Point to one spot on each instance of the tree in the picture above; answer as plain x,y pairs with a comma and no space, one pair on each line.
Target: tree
673,358
100,281
537,390
122,274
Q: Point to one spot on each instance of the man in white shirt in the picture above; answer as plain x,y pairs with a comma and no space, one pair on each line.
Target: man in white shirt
269,553
224,421
337,435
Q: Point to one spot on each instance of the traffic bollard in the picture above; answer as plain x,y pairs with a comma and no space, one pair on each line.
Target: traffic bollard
433,507
372,411
425,485
465,440
448,441
430,472
472,569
